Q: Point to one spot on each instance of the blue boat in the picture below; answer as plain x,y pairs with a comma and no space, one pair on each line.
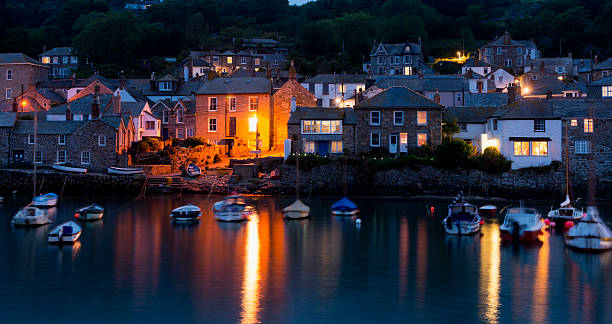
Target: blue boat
344,207
46,200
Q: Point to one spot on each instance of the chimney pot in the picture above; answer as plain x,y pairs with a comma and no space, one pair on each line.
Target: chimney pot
116,102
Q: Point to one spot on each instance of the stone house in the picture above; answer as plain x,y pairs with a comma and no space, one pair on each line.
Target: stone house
602,70
322,131
396,59
398,119
17,70
248,59
472,122
178,118
39,99
290,94
335,90
504,51
601,88
7,123
62,61
235,111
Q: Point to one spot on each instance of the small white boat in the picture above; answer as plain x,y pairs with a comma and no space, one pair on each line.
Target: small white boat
219,204
186,213
193,170
31,216
61,167
297,210
89,213
234,209
125,171
46,200
68,232
590,234
521,224
487,210
462,219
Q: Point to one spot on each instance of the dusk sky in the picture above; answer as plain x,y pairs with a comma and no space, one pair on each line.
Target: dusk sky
298,2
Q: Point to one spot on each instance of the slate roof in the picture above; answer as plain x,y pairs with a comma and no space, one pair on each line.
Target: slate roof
493,99
44,127
604,81
167,77
474,62
337,78
109,83
527,109
475,115
398,49
58,84
499,41
17,58
540,87
189,88
7,119
427,83
50,94
134,108
582,108
81,105
262,41
398,97
235,85
605,65
583,65
347,115
56,51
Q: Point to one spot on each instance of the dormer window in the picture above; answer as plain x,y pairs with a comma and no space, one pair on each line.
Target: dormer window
165,86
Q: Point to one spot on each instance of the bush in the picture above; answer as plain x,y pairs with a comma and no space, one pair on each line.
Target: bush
492,161
452,153
376,152
216,158
402,161
309,161
147,144
193,142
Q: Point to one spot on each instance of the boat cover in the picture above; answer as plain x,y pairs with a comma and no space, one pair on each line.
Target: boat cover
344,204
297,206
590,226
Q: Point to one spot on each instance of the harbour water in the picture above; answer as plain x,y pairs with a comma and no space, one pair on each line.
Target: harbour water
396,266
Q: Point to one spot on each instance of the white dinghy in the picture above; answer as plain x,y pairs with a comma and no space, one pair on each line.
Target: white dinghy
46,200
31,216
297,210
68,232
62,167
125,171
590,234
187,213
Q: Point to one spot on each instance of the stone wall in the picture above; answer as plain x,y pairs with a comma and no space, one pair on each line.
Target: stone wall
4,146
201,155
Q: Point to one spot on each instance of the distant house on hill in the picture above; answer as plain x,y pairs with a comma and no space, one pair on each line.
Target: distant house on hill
396,59
504,51
62,61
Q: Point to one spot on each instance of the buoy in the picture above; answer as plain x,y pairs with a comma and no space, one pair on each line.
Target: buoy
481,222
431,210
547,221
568,225
358,221
553,224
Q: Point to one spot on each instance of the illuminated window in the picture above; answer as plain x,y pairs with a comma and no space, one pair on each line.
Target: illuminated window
521,148
229,60
253,124
257,61
61,156
85,157
398,118
336,147
38,157
574,123
375,118
46,60
408,70
539,148
421,118
232,104
606,91
582,147
421,139
374,139
321,127
212,104
212,125
253,103
588,125
309,147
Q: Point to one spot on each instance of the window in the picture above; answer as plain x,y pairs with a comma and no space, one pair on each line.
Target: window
61,156
212,104
459,97
421,139
309,147
74,59
398,60
230,60
381,70
588,125
165,117
381,60
9,74
398,118
519,61
488,51
150,125
257,61
321,127
9,93
31,139
101,140
374,139
407,59
215,59
232,104
38,157
189,132
165,86
486,70
180,133
494,124
65,59
325,88
574,123
560,69
508,62
521,148
243,60
499,51
46,60
336,146
212,125
408,70
179,116
375,118
463,127
275,62
421,118
539,148
61,139
606,91
253,103
519,51
582,147
213,141
85,158
534,77
539,125
604,74
55,59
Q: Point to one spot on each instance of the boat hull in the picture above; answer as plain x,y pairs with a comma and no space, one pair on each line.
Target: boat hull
186,217
296,214
64,239
89,215
46,200
231,216
30,221
525,236
345,212
588,244
125,171
487,211
69,169
462,228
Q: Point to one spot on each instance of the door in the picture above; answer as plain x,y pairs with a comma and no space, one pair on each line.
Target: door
323,148
393,143
164,133
232,127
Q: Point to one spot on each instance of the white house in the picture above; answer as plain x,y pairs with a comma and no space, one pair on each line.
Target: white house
502,79
477,66
334,90
145,122
472,122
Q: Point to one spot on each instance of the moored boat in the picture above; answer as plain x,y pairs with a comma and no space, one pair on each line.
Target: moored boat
193,170
344,207
297,210
565,212
589,234
31,216
462,219
233,209
61,167
68,232
89,213
125,171
521,224
46,200
487,210
186,213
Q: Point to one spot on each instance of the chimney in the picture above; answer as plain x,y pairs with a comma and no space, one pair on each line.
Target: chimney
122,81
507,37
293,104
153,84
95,105
68,112
541,66
292,71
437,96
268,71
116,102
512,91
548,94
15,105
595,60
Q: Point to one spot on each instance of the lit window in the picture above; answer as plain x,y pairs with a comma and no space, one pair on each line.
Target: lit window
212,125
588,125
539,125
257,61
61,156
150,125
398,118
165,116
9,74
421,139
606,91
374,139
38,157
212,103
243,60
253,124
309,147
180,133
229,60
85,158
179,116
539,148
336,147
408,70
582,147
101,140
421,118
232,104
574,123
375,118
521,148
46,60
253,103
61,139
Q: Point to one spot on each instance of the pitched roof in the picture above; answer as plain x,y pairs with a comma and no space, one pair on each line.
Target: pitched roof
44,127
398,97
135,108
582,108
167,77
109,83
50,94
56,51
604,81
17,58
427,83
235,85
540,87
469,114
7,119
347,115
605,65
337,78
398,49
474,62
492,99
527,109
81,105
499,41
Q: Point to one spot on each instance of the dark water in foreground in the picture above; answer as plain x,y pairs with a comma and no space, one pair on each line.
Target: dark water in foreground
397,266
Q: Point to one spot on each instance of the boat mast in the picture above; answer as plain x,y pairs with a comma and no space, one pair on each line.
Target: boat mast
35,149
592,179
297,177
567,174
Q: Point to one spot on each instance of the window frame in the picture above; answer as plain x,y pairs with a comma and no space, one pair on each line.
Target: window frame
419,118
463,127
9,74
372,123
57,157
8,93
149,122
232,103
243,60
521,148
419,139
165,116
606,91
395,117
188,132
336,147
102,140
165,86
254,106
539,144
536,124
210,105
60,141
88,154
180,133
309,147
180,116
35,160
372,134
589,125
585,147
31,139
210,124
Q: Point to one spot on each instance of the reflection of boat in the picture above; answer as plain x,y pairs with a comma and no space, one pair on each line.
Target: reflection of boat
297,210
125,171
68,169
186,213
67,232
193,170
233,209
46,200
344,207
521,224
462,219
31,216
91,212
487,210
590,234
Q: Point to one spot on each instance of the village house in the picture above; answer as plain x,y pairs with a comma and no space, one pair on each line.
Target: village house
335,90
396,59
602,70
504,51
7,123
322,131
397,120
235,111
452,89
178,118
62,61
552,88
34,98
248,59
18,70
601,88
476,65
168,87
584,69
489,99
472,122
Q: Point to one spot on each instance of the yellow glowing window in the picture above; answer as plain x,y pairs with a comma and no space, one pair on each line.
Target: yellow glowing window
421,118
588,125
253,124
539,148
46,60
521,148
421,139
336,147
309,147
574,123
229,60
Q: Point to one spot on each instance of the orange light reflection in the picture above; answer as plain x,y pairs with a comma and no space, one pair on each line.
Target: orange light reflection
251,281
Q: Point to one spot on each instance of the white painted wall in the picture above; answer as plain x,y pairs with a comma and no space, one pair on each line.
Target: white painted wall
473,133
506,78
482,70
335,92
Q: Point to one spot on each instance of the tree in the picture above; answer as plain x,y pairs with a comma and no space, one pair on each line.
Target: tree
450,128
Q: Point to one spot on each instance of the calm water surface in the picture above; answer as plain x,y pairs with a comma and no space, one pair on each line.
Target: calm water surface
397,266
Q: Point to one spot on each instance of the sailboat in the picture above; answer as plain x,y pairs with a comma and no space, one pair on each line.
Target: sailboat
344,206
297,210
590,234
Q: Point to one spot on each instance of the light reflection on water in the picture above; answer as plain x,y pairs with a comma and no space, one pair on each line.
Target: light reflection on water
397,266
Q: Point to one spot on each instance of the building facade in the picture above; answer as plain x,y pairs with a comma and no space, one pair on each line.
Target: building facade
16,71
504,51
322,131
335,90
62,61
396,59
